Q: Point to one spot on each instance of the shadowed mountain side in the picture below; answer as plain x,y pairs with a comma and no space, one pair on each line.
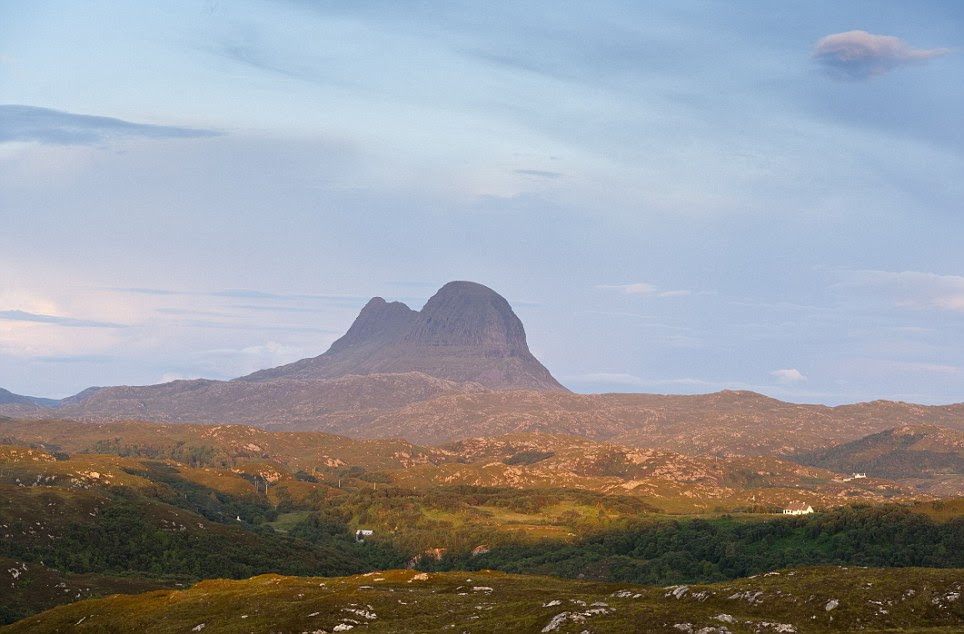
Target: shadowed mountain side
466,332
288,401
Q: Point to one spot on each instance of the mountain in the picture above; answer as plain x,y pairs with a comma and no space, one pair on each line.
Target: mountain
9,398
466,332
461,368
927,457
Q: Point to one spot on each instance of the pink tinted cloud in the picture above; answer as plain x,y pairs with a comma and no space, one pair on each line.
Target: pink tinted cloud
859,54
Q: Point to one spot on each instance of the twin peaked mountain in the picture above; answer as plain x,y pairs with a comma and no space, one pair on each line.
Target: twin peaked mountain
466,333
465,340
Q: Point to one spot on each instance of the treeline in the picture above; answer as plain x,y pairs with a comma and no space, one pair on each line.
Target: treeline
194,456
127,536
212,504
697,551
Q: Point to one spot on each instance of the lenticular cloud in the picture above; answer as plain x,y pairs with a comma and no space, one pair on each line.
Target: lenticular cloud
859,54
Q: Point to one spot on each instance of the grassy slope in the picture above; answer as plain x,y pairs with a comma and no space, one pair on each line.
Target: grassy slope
28,588
809,600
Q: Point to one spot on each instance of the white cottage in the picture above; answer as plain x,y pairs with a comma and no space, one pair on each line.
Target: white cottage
797,508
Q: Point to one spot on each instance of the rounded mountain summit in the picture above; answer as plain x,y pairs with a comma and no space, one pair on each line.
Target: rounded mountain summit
465,332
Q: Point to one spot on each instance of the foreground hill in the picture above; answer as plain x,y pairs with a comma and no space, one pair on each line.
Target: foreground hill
802,600
184,502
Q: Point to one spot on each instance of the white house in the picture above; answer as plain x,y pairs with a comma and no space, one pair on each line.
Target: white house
797,508
362,533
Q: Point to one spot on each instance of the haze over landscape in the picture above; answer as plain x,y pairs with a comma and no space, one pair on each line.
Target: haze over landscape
674,199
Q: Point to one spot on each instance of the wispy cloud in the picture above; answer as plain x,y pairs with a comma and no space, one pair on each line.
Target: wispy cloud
53,127
910,289
246,294
859,54
539,173
70,322
644,288
77,358
891,367
789,376
614,378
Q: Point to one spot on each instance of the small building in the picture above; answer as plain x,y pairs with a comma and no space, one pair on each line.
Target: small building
797,508
857,476
362,533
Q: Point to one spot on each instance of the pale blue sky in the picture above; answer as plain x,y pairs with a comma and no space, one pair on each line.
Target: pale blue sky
678,198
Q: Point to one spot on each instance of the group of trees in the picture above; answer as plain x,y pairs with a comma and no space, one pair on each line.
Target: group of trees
691,551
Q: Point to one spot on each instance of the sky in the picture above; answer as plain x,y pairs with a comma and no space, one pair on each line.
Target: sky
674,197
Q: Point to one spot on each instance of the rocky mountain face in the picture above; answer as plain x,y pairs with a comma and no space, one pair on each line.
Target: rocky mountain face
466,333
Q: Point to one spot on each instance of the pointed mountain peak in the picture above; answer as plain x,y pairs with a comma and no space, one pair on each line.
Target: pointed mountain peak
378,322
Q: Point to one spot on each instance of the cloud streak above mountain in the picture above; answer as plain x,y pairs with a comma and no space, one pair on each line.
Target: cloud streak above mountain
56,320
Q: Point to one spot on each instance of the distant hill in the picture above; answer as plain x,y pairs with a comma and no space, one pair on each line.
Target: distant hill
723,423
818,599
928,457
466,333
431,411
9,398
280,402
